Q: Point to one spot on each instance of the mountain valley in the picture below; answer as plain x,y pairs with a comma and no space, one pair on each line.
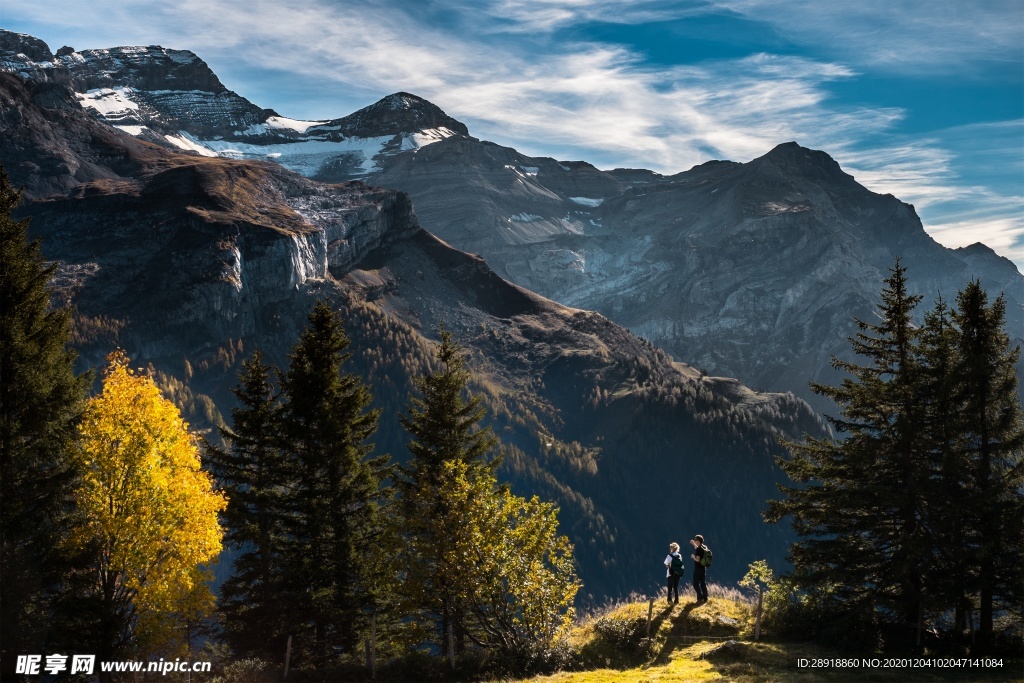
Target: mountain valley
190,262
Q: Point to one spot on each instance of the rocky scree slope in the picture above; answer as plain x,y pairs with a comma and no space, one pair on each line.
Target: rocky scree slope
189,263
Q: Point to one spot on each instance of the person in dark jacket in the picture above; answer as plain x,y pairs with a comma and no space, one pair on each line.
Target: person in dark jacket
700,584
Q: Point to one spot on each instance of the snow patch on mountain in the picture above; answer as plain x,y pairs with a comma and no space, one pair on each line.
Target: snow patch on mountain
524,171
185,142
425,137
110,103
525,218
587,201
276,123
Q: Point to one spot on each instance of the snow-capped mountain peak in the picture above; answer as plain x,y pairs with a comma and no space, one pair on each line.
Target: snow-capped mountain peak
173,98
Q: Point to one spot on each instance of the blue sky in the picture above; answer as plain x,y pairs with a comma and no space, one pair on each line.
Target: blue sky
923,99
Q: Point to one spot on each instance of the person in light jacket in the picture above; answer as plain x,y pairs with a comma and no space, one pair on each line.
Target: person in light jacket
672,575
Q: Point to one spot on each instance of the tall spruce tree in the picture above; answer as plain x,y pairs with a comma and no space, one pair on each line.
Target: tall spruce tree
993,455
443,424
41,398
251,471
334,505
942,434
860,509
480,564
444,427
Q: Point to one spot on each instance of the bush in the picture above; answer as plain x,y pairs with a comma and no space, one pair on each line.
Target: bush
624,633
820,616
245,671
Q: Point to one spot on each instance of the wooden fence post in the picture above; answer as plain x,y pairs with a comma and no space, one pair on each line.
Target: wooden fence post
287,657
650,615
373,646
760,610
451,647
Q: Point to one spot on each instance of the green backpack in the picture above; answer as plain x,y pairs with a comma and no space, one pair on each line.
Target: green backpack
677,568
705,560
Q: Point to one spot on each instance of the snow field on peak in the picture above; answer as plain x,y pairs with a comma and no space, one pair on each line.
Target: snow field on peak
110,103
278,123
305,157
587,201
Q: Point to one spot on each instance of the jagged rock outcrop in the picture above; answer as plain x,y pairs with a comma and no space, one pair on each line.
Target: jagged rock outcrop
151,92
401,112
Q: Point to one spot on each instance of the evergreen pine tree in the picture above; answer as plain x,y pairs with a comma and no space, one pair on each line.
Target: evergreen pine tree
942,431
444,425
41,399
251,472
993,451
334,504
860,511
444,429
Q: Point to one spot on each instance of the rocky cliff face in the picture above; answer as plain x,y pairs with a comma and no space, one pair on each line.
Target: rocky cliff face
752,270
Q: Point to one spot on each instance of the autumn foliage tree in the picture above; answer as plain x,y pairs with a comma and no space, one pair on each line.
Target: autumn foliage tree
150,516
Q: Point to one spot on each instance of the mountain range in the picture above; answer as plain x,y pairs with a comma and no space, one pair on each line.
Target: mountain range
751,270
189,260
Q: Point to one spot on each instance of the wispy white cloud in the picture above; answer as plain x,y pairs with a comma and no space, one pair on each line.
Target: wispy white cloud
902,35
940,176
548,15
577,98
1002,235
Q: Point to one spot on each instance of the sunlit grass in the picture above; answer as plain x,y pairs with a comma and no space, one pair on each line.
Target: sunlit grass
684,639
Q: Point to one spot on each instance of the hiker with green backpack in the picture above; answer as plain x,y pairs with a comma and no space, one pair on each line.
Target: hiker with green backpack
674,567
701,561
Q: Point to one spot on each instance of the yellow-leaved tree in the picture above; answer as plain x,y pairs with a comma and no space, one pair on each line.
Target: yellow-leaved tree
149,517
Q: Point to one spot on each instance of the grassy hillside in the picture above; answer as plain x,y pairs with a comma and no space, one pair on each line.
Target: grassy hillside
714,642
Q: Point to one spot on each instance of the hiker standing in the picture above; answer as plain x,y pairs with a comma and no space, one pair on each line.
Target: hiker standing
700,569
673,571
